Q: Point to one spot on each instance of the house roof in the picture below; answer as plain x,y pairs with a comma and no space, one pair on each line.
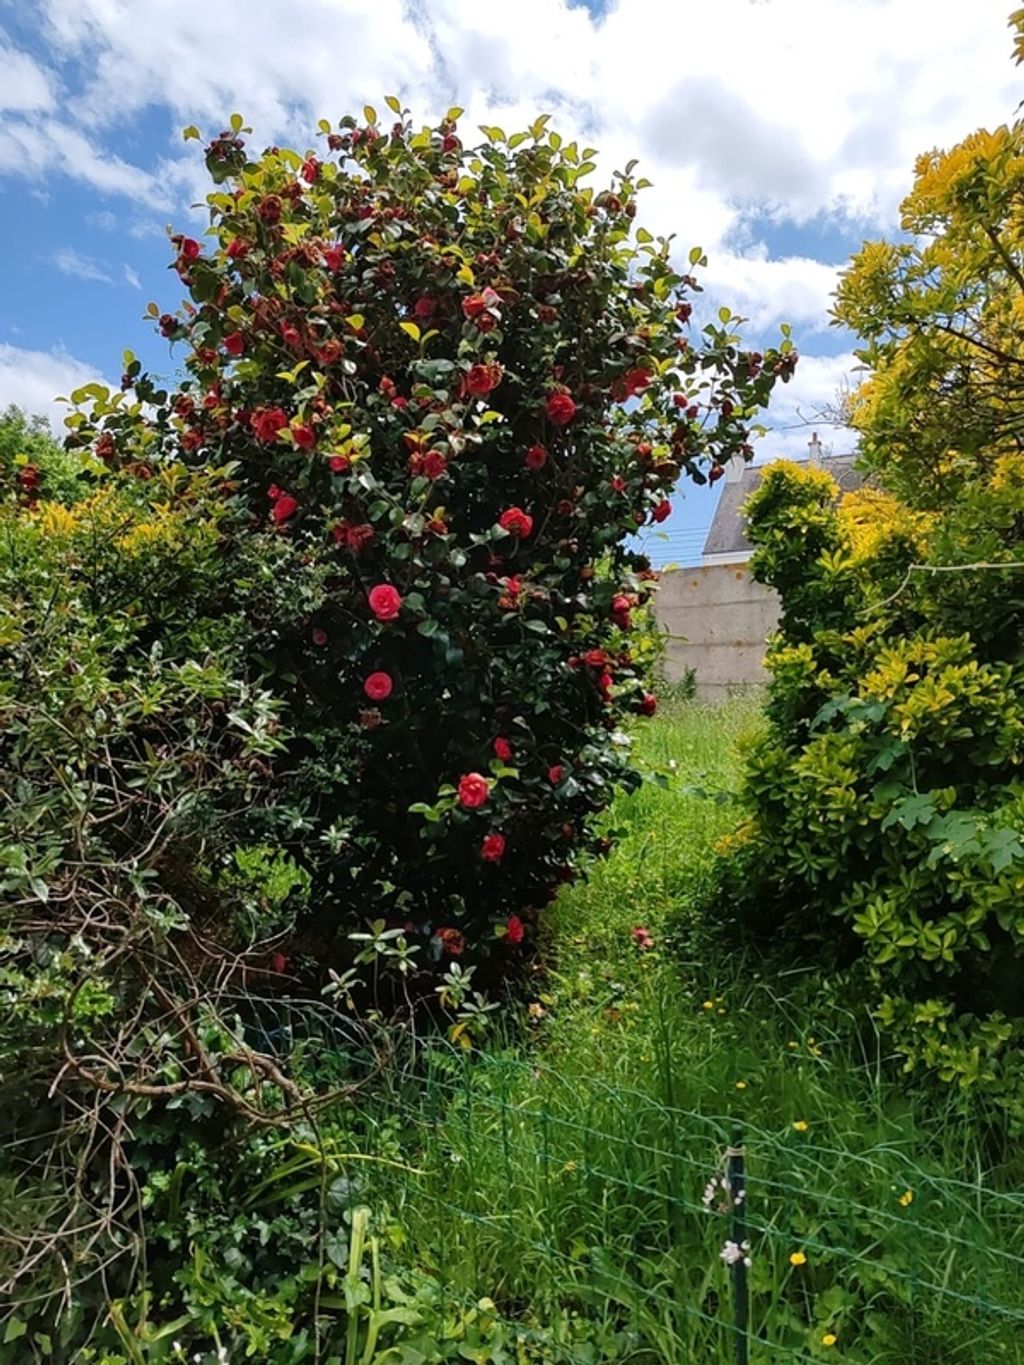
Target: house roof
727,534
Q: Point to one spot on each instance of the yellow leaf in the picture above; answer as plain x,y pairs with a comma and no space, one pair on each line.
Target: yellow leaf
410,329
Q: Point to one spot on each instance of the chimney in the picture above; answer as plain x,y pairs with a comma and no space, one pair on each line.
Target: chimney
814,450
734,468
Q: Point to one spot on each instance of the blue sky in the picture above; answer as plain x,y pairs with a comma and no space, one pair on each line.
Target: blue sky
779,135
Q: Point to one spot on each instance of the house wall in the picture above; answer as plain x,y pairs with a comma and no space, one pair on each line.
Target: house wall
717,619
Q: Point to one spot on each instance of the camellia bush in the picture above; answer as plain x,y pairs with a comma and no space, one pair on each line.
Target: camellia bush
443,387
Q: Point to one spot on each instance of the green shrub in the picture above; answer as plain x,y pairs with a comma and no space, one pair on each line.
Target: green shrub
886,809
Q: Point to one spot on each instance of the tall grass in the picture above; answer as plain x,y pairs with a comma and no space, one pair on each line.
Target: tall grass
562,1174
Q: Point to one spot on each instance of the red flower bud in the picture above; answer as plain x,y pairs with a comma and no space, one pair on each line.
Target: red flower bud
379,686
492,849
560,409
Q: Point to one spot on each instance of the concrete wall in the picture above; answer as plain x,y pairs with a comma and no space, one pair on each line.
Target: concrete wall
717,619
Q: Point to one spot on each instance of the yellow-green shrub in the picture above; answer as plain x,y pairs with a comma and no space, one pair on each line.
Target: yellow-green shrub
886,800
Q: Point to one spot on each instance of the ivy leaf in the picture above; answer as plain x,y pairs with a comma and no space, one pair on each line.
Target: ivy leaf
911,812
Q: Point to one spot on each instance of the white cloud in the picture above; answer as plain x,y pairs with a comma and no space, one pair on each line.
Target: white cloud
132,277
71,262
26,85
32,147
33,379
794,289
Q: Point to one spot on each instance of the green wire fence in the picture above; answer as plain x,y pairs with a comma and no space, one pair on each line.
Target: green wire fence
670,1235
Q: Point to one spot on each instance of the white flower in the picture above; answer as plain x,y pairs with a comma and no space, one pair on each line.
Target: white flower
735,1251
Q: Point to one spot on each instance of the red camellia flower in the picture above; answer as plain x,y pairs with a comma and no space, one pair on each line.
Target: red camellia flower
433,465
190,248
662,511
474,305
715,473
425,307
481,379
642,938
555,774
379,686
637,380
354,537
561,409
303,435
648,704
333,256
338,464
492,850
450,143
595,658
618,484
237,248
502,749
514,930
604,685
451,940
385,602
516,522
269,208
536,457
290,335
509,599
621,607
319,637
473,790
234,343
284,507
310,170
267,422
278,962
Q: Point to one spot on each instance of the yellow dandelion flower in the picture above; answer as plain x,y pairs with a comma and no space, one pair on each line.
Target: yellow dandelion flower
797,1258
709,1004
800,1126
907,1197
829,1339
741,1085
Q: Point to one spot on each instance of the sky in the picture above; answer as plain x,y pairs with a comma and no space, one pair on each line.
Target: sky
779,135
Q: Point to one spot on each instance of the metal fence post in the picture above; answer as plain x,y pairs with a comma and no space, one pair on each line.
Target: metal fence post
736,1176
